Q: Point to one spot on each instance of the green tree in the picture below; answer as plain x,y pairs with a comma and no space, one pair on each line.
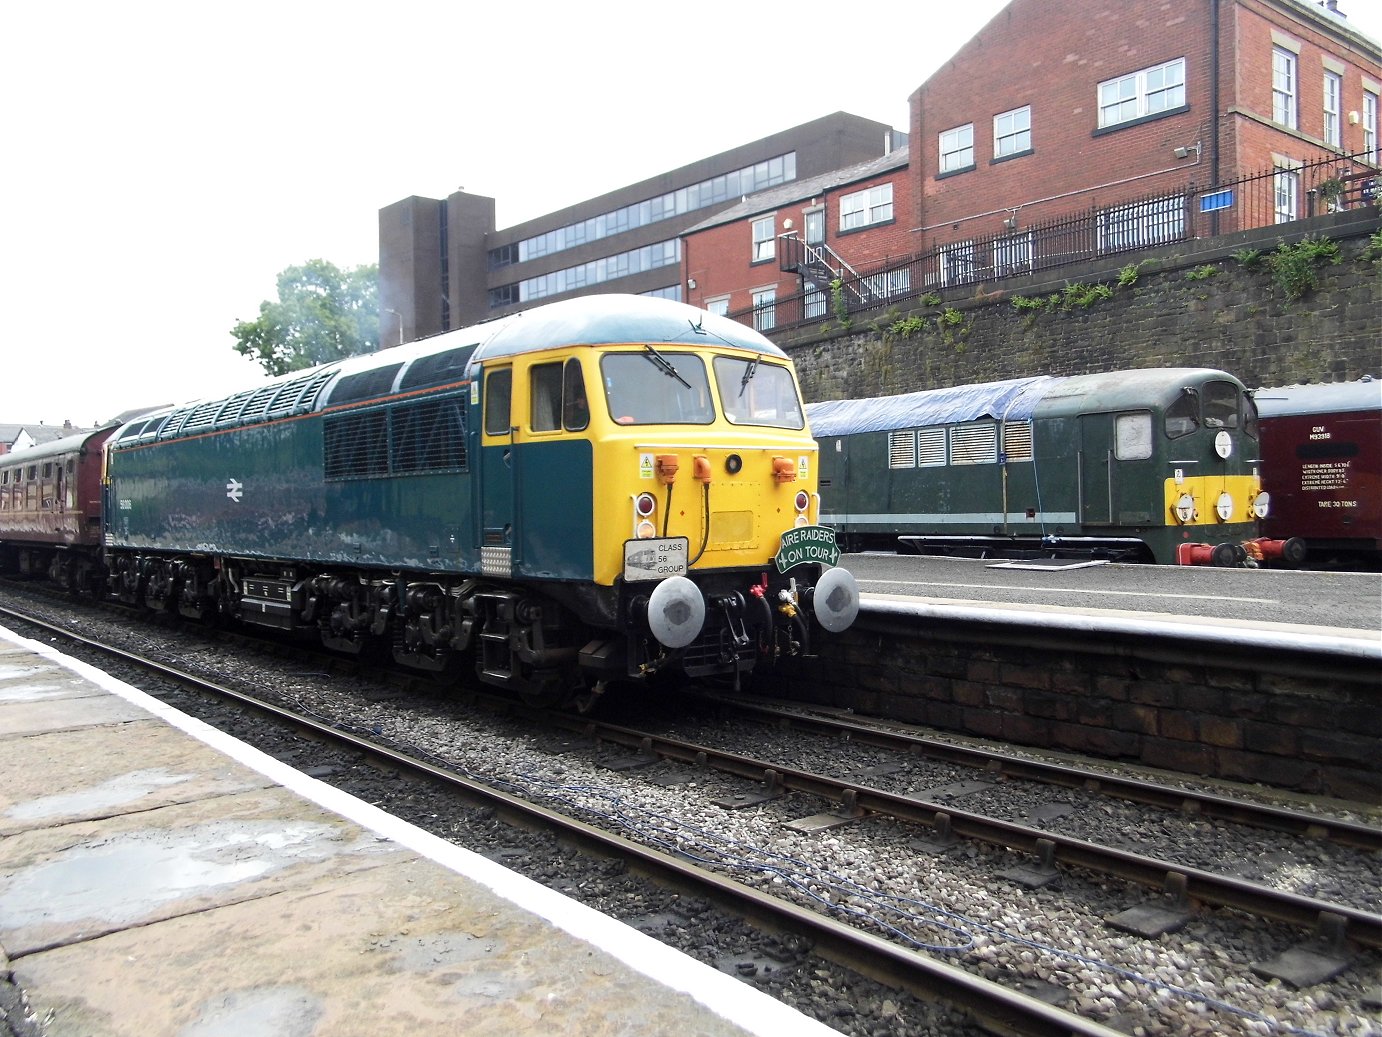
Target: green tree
322,314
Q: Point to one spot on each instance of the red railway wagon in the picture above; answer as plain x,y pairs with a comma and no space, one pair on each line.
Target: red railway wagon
1322,465
50,507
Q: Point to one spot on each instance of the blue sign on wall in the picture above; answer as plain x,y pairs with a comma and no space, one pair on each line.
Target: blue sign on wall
1216,201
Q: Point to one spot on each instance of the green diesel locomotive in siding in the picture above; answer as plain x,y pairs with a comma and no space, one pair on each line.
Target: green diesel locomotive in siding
1156,465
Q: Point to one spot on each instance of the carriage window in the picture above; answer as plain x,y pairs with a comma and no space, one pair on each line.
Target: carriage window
755,393
1132,436
1183,416
1220,403
1249,415
656,388
498,394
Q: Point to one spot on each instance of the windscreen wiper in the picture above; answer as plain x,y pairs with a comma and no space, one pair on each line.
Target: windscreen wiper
749,372
665,365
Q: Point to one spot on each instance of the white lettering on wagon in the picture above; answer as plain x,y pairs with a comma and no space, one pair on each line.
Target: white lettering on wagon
235,490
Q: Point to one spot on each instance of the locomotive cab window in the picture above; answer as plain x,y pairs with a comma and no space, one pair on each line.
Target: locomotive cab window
1183,416
1132,436
558,399
498,395
656,388
757,393
1219,404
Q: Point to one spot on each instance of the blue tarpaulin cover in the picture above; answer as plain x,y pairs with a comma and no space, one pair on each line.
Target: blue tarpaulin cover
1014,399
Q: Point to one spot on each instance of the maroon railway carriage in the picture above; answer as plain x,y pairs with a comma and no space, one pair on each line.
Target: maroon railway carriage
1322,465
50,508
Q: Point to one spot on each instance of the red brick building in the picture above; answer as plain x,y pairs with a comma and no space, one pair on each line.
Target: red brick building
1123,109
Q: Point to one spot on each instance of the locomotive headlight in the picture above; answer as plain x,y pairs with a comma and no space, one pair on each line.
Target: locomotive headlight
1223,507
1223,444
1261,504
1185,507
643,507
802,500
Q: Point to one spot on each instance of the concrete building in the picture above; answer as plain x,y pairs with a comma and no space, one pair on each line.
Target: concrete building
444,265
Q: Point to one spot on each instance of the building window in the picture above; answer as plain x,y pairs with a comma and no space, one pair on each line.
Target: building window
1284,87
1286,189
764,239
1137,95
957,148
864,208
1012,255
957,263
1370,126
735,184
1333,99
719,307
1142,224
814,303
1012,132
765,309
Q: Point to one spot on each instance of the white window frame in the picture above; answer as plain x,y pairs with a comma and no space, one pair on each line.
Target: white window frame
1370,126
959,262
1012,132
1333,108
719,307
1285,73
764,239
764,309
1142,224
1148,91
1012,254
957,148
867,207
1286,194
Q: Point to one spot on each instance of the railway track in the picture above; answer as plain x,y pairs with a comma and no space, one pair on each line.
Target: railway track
992,1005
871,954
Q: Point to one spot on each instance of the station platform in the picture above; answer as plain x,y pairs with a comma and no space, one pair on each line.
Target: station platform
158,877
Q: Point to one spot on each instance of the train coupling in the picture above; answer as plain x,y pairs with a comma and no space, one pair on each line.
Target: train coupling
1291,551
1249,552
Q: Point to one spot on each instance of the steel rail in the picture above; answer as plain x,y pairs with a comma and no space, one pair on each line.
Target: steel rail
1135,790
1223,891
999,1008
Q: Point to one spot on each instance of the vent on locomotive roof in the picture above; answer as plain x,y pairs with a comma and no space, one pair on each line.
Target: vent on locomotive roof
366,385
438,369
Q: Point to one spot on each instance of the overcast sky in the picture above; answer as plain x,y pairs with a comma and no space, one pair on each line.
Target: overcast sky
163,161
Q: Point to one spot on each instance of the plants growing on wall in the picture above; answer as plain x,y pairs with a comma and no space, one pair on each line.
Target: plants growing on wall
1295,268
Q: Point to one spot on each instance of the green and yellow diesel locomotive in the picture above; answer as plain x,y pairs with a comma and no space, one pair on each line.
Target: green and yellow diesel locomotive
589,491
1158,465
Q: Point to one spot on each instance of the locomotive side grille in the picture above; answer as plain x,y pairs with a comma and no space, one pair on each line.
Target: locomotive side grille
930,447
408,438
356,445
902,449
1017,440
429,436
974,443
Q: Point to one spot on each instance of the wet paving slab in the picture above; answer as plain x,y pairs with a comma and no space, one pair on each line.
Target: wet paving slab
152,884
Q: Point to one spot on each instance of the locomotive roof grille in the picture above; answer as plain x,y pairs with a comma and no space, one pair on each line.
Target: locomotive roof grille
438,369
